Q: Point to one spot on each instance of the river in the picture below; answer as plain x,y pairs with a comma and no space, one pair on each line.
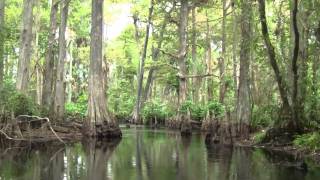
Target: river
146,154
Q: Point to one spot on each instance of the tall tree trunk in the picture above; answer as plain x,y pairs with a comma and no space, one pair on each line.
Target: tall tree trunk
295,100
155,57
222,89
98,123
195,81
234,52
36,56
39,84
136,114
243,101
314,86
25,50
2,7
209,61
315,78
185,125
303,61
49,59
286,114
59,98
69,77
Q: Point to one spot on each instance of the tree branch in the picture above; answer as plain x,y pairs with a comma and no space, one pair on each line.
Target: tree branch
197,76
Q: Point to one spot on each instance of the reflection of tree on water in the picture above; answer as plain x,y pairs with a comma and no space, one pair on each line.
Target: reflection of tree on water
219,162
97,156
142,154
182,162
53,169
138,154
291,168
147,155
242,164
32,162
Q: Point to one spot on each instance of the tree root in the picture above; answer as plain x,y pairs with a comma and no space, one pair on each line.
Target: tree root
10,138
34,119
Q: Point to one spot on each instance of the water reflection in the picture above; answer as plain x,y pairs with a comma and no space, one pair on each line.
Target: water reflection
97,157
146,154
219,161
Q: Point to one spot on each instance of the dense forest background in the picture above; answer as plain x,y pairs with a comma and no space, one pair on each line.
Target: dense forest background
252,64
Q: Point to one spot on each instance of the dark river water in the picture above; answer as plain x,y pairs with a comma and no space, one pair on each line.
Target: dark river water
145,154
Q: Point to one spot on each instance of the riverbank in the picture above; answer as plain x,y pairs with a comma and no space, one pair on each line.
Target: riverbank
287,147
145,153
71,132
298,153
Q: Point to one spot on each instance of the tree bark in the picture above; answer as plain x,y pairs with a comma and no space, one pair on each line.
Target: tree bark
243,100
209,61
59,98
155,57
136,114
314,86
70,72
222,89
295,100
185,124
272,58
234,53
183,51
303,61
48,87
36,56
98,123
2,8
195,81
25,49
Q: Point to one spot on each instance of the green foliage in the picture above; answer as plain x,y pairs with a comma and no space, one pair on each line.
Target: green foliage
16,102
120,99
185,107
198,111
312,109
21,104
156,109
80,17
264,116
309,140
78,108
216,108
259,136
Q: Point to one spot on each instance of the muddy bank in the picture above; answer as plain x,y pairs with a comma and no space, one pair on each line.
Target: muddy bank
299,154
26,129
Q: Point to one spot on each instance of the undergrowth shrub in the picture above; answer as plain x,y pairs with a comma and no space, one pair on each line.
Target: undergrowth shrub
120,99
156,110
216,109
264,116
198,111
309,140
78,108
259,136
16,102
